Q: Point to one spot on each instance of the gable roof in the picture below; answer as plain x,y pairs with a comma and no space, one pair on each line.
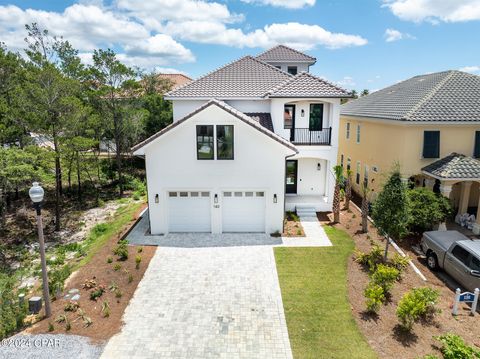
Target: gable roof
443,96
308,85
240,115
454,166
282,53
177,79
245,77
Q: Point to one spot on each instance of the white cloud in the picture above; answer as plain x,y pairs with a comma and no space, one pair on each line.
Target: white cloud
392,35
470,69
160,45
347,82
289,4
435,10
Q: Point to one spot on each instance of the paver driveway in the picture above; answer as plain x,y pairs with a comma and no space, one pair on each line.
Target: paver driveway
221,302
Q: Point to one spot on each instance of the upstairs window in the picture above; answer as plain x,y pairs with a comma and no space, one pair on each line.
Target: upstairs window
358,133
205,142
431,144
347,131
476,149
316,117
224,142
292,70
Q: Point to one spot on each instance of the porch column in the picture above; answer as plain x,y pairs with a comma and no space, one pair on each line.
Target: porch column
464,197
429,183
476,225
445,190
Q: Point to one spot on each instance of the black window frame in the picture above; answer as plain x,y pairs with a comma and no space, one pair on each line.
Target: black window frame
233,143
314,128
290,70
294,109
476,146
212,141
431,144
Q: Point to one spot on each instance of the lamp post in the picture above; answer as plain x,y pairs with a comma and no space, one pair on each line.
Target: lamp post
36,195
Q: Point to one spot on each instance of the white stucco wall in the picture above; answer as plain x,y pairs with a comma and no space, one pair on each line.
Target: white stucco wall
171,164
184,107
250,105
284,66
311,181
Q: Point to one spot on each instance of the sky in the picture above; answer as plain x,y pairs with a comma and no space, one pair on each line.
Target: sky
359,44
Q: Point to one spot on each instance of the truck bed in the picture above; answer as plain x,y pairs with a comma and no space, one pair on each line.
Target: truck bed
444,239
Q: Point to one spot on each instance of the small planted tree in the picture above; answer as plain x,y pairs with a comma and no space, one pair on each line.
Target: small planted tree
390,210
365,204
426,209
348,188
338,171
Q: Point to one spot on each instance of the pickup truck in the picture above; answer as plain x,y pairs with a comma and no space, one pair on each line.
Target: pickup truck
456,254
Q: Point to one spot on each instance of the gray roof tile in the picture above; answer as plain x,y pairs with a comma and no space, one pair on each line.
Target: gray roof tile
441,96
454,166
308,85
263,118
282,53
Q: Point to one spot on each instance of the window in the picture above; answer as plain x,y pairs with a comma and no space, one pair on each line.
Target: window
431,144
341,160
365,176
205,142
224,142
347,134
476,149
474,264
461,254
316,117
357,179
292,70
288,116
349,163
260,194
358,133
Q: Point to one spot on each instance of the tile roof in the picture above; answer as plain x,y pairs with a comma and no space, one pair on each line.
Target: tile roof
263,118
307,85
442,96
177,79
282,53
454,166
245,77
233,111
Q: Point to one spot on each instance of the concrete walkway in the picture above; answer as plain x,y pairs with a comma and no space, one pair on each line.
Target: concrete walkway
315,235
220,302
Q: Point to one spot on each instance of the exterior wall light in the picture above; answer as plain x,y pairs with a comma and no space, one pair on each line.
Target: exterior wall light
319,166
302,113
215,198
156,198
275,198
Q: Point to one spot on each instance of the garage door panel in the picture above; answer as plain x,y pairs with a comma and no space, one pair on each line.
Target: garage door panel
243,211
189,212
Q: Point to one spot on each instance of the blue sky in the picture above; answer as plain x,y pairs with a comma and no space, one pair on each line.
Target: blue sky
358,43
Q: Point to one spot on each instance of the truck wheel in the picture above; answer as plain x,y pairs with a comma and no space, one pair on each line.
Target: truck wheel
432,261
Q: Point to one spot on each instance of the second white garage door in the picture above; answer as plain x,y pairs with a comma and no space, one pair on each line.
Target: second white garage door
243,211
189,212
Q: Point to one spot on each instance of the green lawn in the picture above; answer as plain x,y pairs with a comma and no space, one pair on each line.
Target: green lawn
314,290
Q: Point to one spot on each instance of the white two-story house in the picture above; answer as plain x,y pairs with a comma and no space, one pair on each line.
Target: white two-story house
249,140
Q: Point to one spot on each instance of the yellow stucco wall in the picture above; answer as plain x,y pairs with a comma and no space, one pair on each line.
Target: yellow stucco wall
384,142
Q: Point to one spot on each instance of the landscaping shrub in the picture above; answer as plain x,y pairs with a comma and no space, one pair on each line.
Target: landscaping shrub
385,276
71,306
57,278
400,262
99,229
417,303
105,309
121,250
138,260
97,292
426,208
454,347
375,296
11,313
117,267
370,260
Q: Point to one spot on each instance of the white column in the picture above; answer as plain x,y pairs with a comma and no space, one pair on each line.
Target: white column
464,197
445,190
429,183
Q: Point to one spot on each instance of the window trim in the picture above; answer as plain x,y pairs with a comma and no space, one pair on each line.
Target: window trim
216,143
437,154
213,143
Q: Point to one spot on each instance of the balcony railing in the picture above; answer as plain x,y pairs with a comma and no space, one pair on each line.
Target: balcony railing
305,136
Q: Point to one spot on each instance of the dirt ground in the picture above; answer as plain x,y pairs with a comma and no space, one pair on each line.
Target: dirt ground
382,332
104,274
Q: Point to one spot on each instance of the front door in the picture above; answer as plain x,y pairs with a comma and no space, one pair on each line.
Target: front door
291,178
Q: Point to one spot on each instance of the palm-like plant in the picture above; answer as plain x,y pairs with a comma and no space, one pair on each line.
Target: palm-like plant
348,188
365,192
338,171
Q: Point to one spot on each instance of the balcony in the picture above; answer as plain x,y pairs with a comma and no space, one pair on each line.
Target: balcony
307,137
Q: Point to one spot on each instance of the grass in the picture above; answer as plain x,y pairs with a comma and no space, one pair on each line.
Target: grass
314,290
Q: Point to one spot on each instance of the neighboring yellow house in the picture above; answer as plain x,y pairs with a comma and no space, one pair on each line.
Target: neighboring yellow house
419,122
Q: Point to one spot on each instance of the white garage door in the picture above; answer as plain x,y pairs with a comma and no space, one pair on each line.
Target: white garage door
189,211
243,211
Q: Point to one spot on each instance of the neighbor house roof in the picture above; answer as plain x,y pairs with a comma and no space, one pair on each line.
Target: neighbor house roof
256,123
177,79
454,166
442,96
307,85
282,53
246,77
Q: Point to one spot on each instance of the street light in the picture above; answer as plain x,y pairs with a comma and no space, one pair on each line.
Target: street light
36,195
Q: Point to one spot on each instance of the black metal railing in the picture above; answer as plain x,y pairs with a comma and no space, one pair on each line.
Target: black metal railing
305,136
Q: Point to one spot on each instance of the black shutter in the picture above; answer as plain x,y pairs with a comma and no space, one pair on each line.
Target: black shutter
431,144
476,150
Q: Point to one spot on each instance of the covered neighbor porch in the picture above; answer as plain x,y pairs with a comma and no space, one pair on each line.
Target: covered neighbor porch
457,177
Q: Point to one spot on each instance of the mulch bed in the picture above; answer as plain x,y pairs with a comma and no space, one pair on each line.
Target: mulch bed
104,274
383,332
292,226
